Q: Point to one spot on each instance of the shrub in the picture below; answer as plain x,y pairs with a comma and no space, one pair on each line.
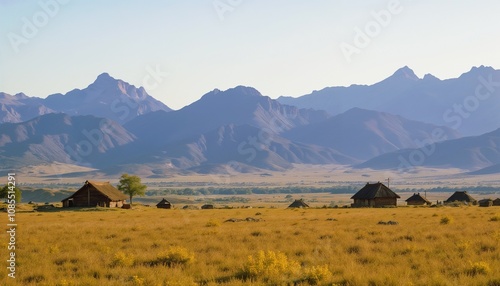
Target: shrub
316,274
494,282
176,255
478,268
122,259
353,249
256,233
213,223
136,280
495,218
446,220
270,266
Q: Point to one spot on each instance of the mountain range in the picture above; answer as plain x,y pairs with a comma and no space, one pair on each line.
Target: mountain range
113,126
469,103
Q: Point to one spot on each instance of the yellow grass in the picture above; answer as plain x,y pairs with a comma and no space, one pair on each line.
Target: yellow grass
149,246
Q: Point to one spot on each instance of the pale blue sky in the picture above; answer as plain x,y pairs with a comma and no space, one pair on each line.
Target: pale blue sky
279,47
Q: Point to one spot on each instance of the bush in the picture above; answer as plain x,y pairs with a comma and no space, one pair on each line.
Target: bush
446,220
478,268
495,218
317,274
122,259
270,267
176,255
213,223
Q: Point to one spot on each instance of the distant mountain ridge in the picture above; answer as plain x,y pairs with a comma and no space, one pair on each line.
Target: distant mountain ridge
469,103
364,134
105,97
238,106
19,107
471,153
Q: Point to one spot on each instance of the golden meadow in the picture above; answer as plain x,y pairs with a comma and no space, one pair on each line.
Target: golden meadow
342,246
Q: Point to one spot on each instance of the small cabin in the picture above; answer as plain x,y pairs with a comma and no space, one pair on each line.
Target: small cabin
298,204
485,203
417,200
461,197
164,204
375,195
93,194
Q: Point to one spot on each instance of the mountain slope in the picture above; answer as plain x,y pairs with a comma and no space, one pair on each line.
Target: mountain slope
106,97
471,153
81,140
364,134
238,106
469,103
241,146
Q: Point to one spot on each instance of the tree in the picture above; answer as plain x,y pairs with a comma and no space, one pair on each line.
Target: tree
131,185
4,193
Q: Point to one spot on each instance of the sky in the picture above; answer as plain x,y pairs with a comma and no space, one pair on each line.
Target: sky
179,50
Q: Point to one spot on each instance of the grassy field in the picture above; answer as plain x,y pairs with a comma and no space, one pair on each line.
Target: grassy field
149,246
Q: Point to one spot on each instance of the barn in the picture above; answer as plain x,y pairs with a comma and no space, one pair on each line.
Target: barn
164,204
417,200
375,195
93,194
462,197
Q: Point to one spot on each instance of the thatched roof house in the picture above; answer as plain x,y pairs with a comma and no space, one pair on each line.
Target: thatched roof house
164,204
93,194
463,197
207,207
417,200
496,202
298,204
375,195
485,203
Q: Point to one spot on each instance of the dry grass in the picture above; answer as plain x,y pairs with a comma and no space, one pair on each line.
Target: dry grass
149,246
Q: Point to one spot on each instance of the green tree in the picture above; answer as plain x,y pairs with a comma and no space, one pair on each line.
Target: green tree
131,185
4,193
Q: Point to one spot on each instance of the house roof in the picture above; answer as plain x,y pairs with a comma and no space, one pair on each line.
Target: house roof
104,188
460,197
372,191
417,198
163,202
298,204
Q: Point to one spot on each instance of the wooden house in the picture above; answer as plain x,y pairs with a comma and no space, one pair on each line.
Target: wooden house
93,194
375,195
417,200
462,197
496,202
298,204
485,203
164,204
